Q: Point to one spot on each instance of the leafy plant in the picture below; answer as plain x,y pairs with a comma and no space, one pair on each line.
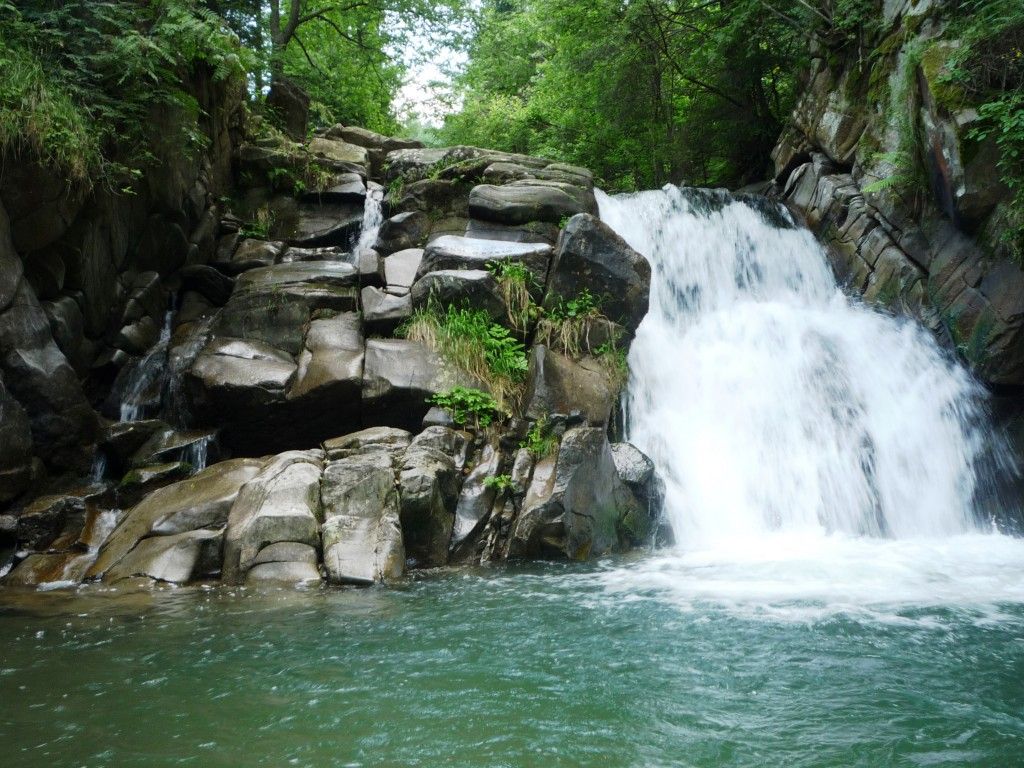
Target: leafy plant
613,358
540,441
567,326
468,405
469,340
499,483
260,225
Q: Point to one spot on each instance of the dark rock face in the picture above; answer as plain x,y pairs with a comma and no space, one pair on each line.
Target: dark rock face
521,203
291,105
558,384
591,256
461,287
934,254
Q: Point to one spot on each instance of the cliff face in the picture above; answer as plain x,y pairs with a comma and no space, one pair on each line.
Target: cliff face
86,280
881,161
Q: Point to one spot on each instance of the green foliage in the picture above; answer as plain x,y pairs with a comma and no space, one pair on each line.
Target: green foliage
260,225
642,93
567,326
468,339
499,483
468,405
613,358
83,82
515,280
540,441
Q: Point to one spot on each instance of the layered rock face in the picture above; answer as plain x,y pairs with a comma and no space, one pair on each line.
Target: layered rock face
283,351
930,247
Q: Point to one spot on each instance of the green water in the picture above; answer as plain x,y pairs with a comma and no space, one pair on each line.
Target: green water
557,665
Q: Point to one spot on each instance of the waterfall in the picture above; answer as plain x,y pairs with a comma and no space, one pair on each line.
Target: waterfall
373,217
147,377
771,402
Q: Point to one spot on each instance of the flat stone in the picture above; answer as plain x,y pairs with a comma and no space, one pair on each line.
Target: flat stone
476,288
294,573
176,558
523,203
384,312
474,254
338,151
401,268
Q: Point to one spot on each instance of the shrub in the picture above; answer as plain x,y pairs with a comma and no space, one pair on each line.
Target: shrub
540,442
566,327
514,281
500,483
468,405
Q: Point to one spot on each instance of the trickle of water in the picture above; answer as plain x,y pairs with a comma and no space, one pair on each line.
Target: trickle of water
770,401
373,217
197,454
98,472
147,375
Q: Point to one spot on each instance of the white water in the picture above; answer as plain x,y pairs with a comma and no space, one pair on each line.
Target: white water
811,448
147,374
373,217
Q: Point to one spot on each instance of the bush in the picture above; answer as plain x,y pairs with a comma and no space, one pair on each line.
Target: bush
468,405
469,340
566,327
514,280
540,442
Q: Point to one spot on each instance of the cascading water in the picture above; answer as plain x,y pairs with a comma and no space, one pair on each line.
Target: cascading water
147,377
789,423
373,217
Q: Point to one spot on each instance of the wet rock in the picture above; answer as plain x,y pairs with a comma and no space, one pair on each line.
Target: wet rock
176,558
143,480
45,518
574,503
251,254
429,488
168,445
200,502
346,187
210,283
362,536
477,496
280,504
294,573
325,224
120,440
66,568
330,370
590,255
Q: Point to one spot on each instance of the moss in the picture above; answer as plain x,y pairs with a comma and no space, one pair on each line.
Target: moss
934,67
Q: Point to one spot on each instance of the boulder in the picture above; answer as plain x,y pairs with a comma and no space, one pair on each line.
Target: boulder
338,151
389,439
177,558
558,384
250,254
524,202
279,505
401,232
362,536
429,490
446,253
286,572
477,496
200,502
119,440
330,370
401,268
344,187
399,377
46,517
574,503
57,568
210,283
590,255
383,312
321,224
476,288
639,520
174,445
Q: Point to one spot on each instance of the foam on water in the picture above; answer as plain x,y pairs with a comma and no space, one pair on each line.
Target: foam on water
811,448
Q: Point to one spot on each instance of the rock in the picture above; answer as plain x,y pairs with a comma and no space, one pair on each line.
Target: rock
322,224
401,268
177,558
632,465
429,489
398,378
338,151
384,312
274,304
590,255
523,203
346,187
44,519
362,537
292,255
143,480
58,568
199,502
557,384
639,520
330,373
401,232
280,504
574,502
119,440
230,369
371,268
475,288
173,445
291,572
15,447
370,140
251,254
477,496
447,253
210,283
531,232
438,417
387,438
291,106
